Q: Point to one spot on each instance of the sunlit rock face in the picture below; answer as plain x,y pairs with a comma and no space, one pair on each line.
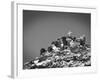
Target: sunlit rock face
66,51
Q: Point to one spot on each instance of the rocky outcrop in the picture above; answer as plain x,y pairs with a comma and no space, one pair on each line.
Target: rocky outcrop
67,51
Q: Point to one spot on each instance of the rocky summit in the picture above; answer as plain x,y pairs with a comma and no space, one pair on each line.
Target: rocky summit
66,51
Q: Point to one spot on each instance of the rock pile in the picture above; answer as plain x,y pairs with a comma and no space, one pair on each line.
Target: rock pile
67,51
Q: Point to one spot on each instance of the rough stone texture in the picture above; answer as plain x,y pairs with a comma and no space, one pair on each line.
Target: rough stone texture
67,51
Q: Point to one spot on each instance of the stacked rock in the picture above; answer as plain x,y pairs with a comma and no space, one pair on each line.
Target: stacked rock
67,51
